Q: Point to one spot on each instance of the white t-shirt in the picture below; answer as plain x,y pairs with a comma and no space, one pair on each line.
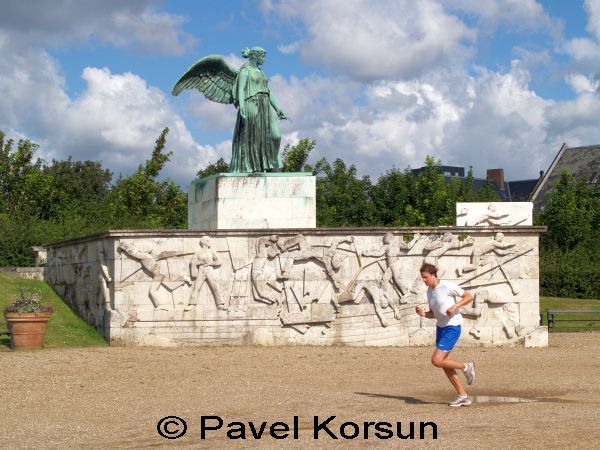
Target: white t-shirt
440,299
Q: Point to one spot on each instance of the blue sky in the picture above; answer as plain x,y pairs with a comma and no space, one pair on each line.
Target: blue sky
380,84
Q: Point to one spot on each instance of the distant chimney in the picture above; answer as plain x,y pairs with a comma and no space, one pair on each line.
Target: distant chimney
497,176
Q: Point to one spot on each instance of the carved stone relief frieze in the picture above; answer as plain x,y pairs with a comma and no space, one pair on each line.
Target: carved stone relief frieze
312,286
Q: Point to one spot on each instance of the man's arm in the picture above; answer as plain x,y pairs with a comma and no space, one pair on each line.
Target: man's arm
465,300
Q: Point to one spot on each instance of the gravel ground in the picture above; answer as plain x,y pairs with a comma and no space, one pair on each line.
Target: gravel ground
114,397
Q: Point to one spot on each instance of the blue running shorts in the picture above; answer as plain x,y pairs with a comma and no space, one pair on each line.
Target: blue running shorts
447,337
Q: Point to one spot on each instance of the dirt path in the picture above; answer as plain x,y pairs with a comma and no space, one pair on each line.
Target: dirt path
114,397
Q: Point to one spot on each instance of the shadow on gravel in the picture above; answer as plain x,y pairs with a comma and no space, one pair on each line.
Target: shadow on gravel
489,399
407,400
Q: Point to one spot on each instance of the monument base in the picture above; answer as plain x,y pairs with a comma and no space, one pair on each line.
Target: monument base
230,201
297,287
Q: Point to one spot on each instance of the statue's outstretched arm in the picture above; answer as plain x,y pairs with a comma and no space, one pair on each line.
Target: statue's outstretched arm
276,106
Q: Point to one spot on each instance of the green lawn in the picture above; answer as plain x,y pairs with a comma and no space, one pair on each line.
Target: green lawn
569,303
65,328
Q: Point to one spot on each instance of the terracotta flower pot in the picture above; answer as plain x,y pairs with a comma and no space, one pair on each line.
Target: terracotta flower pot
27,330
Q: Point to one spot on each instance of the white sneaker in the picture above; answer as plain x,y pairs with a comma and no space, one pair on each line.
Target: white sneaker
461,401
469,372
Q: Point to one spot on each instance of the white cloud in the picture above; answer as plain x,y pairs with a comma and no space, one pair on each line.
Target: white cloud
587,50
487,120
235,60
116,119
289,48
519,14
592,8
576,121
371,40
210,115
131,24
581,84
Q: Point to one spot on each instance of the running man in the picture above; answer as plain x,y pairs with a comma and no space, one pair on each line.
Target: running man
443,307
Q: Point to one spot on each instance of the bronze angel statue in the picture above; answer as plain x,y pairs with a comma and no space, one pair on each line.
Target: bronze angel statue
256,137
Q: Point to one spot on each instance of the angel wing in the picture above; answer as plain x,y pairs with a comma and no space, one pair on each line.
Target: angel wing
212,76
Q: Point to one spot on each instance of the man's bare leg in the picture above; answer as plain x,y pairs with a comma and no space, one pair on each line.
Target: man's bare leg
442,359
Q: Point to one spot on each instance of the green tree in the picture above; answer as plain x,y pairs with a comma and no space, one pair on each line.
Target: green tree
139,200
295,157
431,203
569,213
392,197
571,246
80,188
213,168
24,188
80,181
342,199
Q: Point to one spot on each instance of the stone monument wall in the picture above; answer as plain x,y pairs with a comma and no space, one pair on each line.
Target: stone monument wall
322,287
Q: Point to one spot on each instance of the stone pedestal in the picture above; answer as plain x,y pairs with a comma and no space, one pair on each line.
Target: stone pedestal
231,201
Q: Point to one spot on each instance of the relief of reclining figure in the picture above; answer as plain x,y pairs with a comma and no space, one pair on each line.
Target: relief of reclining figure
491,217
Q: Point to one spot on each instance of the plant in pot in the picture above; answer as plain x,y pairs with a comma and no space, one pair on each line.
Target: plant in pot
27,319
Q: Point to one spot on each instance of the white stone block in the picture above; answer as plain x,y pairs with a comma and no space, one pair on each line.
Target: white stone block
537,338
422,337
265,201
529,314
494,213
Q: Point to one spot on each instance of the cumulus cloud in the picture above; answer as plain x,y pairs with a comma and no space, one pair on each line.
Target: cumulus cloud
116,119
117,116
580,83
488,119
372,40
402,85
592,8
587,49
131,24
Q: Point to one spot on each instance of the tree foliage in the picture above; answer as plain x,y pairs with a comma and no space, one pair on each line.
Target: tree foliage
295,157
571,246
23,186
42,203
213,168
342,199
140,200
